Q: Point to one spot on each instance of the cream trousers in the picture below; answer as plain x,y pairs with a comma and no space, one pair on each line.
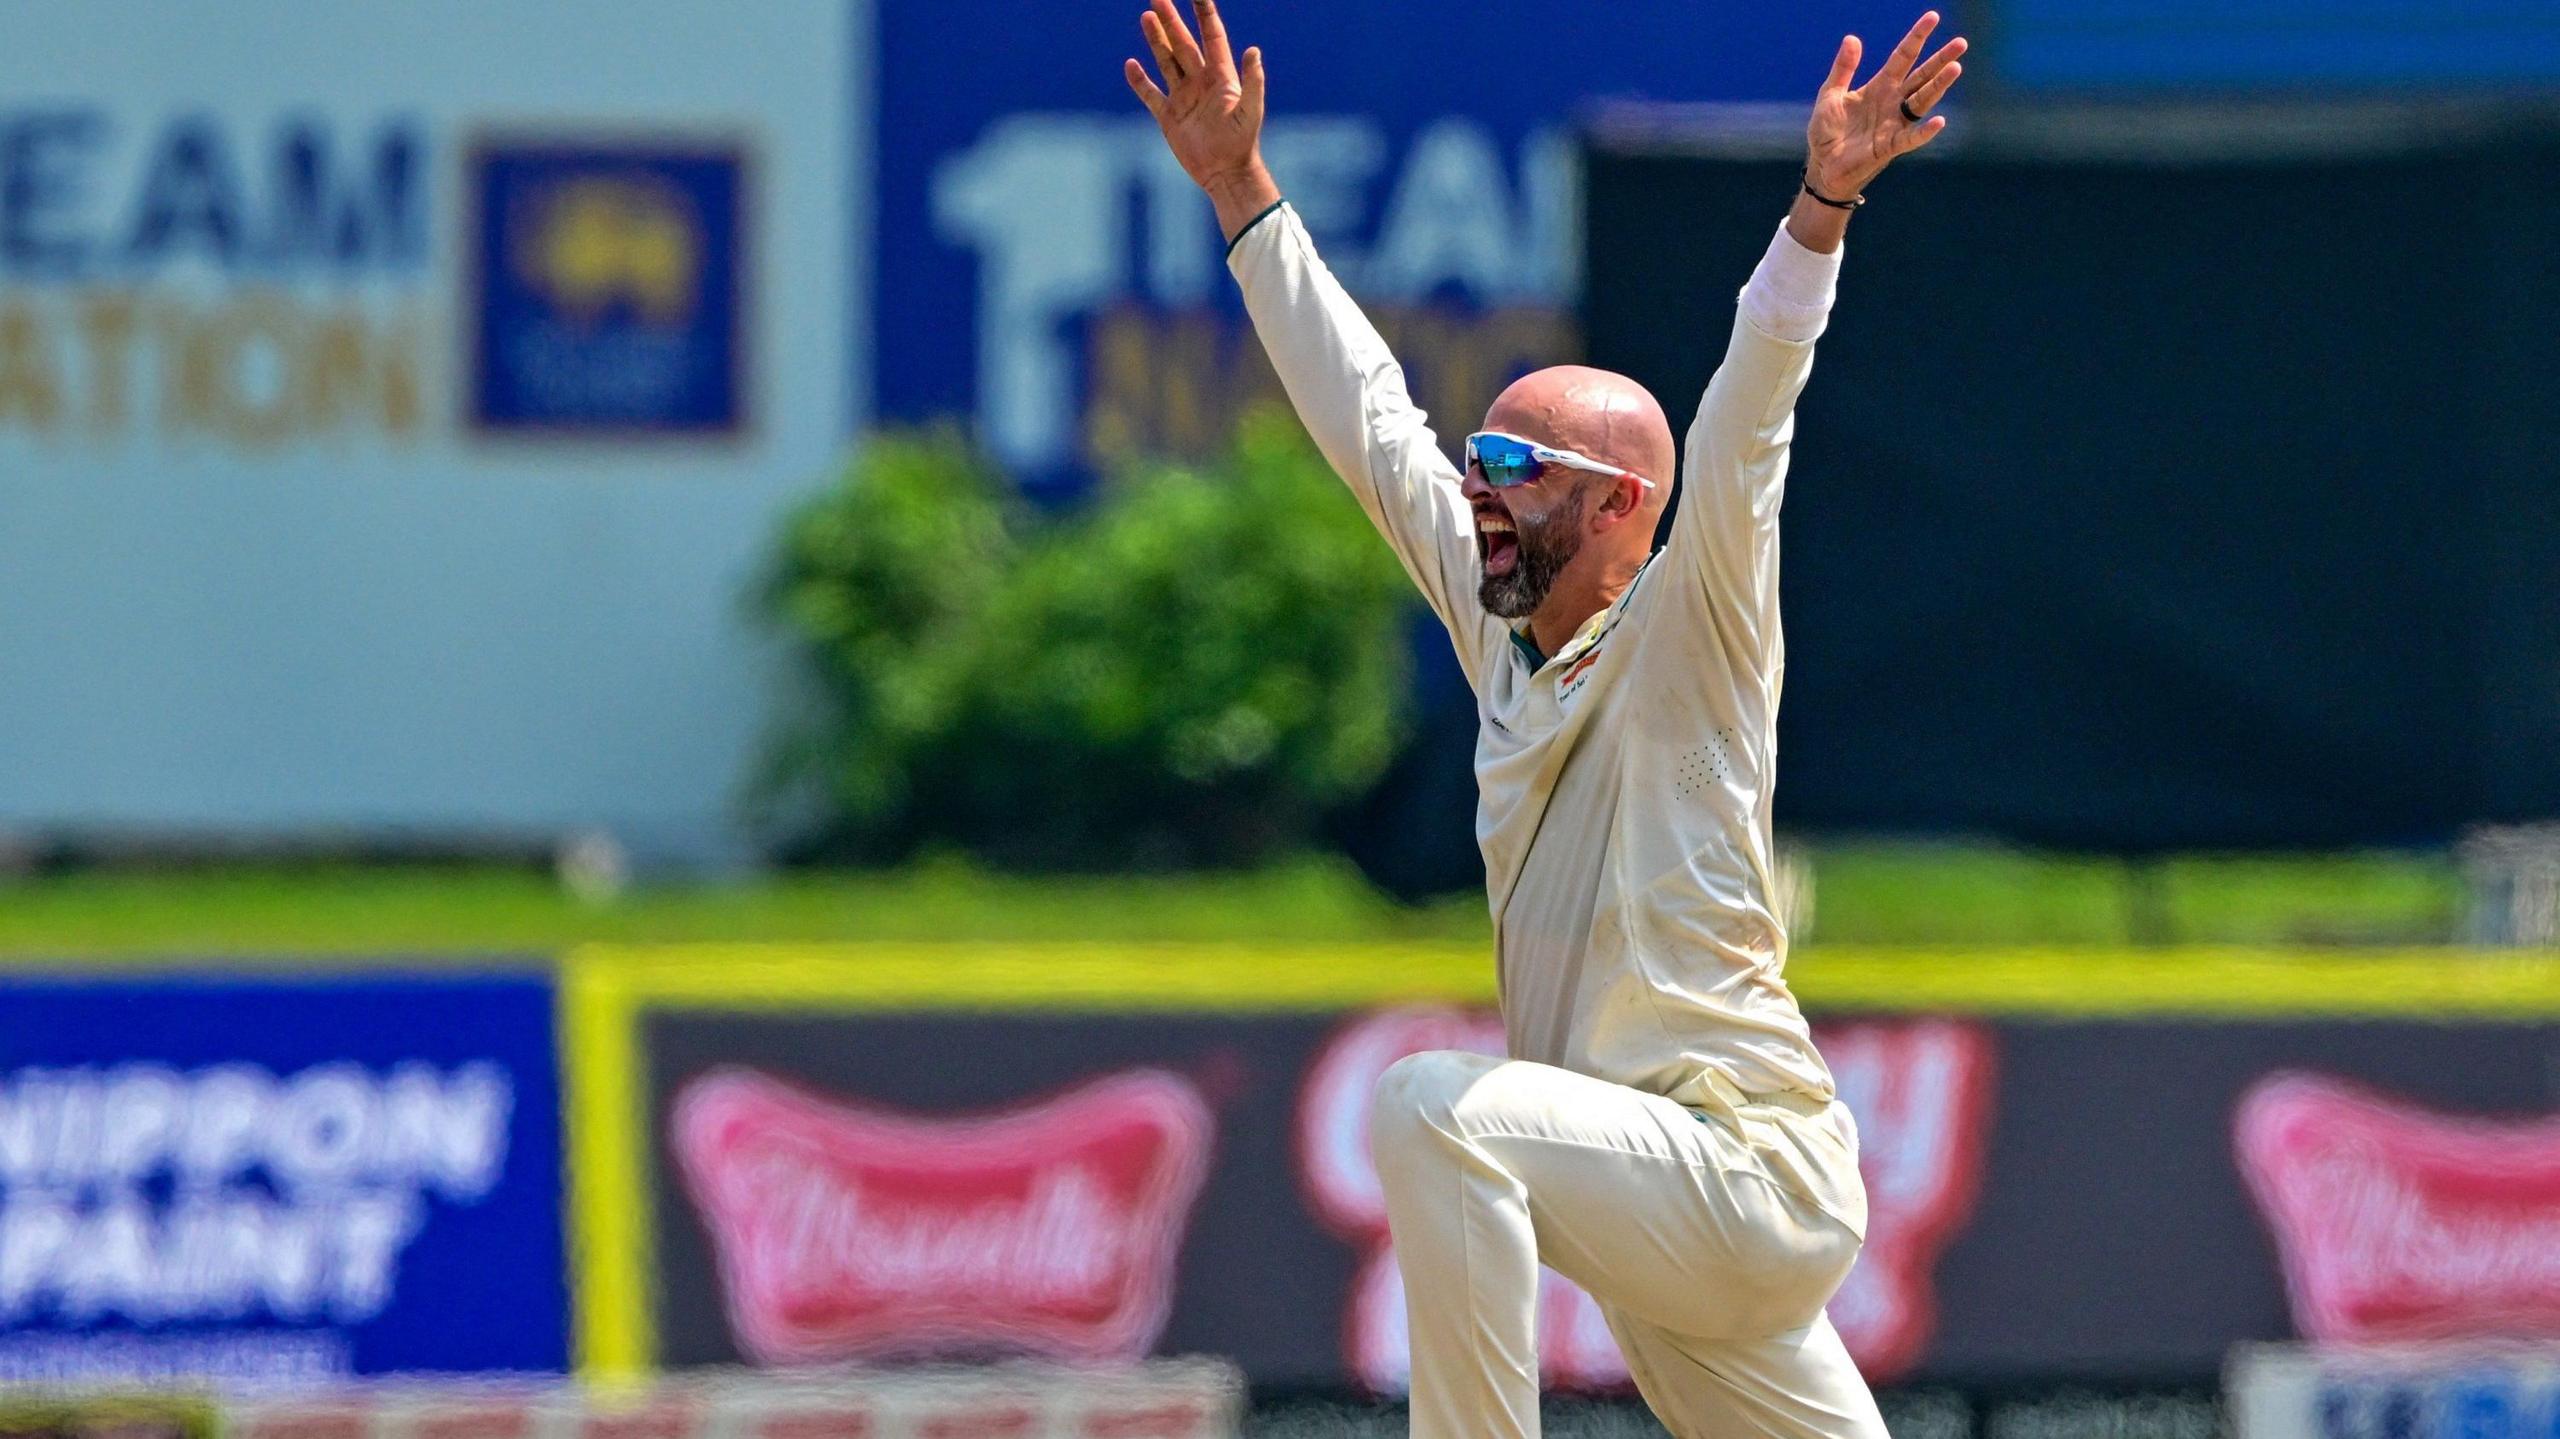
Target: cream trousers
1710,1237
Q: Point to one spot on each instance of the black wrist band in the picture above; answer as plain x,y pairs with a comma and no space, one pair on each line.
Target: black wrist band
1820,198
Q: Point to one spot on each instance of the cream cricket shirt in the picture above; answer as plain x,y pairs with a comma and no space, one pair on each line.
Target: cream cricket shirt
1623,783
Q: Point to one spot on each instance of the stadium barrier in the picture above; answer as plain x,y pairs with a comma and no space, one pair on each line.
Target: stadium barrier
254,1179
2105,1172
1186,1399
2441,1391
2090,1171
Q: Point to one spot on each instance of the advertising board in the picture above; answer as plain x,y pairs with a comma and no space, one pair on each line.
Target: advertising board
1042,266
394,402
2443,1391
1186,1399
1057,1157
1119,1188
2399,1222
278,1182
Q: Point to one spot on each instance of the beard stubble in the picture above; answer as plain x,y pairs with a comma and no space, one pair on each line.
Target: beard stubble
1547,544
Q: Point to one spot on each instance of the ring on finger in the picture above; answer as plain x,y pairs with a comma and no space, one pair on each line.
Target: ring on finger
1907,112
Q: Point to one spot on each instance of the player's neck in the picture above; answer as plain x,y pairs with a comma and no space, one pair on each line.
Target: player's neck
1589,585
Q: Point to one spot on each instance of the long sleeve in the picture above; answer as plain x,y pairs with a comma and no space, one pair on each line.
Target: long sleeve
1725,538
1350,394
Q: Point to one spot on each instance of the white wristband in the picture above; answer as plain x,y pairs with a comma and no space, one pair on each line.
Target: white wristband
1790,294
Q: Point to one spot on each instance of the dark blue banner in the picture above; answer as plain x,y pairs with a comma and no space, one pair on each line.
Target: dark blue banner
1043,266
278,1181
2277,45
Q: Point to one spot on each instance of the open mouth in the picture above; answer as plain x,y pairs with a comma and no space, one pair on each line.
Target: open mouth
1498,542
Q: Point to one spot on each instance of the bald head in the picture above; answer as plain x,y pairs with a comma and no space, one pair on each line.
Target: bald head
1559,548
1599,413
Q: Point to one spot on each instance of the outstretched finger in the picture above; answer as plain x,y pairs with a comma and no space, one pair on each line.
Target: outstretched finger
1898,64
1147,93
1844,66
1930,67
1213,32
1159,44
1253,83
1920,134
1185,49
1933,90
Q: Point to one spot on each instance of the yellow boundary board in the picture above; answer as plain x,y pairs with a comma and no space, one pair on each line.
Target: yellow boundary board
605,990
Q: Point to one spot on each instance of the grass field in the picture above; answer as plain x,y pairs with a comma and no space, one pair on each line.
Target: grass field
1862,894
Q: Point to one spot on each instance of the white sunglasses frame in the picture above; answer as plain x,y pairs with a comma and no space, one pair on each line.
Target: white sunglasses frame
1550,455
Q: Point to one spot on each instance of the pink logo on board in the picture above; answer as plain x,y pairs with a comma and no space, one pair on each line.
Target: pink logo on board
845,1231
1921,1093
2396,1222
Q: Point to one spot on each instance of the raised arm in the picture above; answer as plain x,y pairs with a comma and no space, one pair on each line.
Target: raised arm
1735,468
1348,389
1210,109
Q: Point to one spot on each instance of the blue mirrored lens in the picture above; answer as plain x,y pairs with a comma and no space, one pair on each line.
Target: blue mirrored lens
1503,462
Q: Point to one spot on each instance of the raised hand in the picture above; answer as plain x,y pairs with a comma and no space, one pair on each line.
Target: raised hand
1854,134
1210,108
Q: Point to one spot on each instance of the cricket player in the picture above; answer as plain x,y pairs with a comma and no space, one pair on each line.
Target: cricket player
1663,1132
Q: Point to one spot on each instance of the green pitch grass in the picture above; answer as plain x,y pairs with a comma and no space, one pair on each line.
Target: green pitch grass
1862,894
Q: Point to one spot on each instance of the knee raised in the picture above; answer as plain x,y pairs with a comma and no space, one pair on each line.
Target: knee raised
1419,1093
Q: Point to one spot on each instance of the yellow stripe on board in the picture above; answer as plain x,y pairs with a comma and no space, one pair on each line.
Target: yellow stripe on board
2198,983
2231,982
1064,976
612,1224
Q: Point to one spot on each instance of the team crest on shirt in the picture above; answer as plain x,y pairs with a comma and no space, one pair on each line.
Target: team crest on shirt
1576,675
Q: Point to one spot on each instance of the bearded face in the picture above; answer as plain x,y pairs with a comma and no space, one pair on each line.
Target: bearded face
1521,567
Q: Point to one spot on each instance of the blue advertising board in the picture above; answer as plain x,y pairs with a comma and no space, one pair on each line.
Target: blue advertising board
2448,1390
1042,265
263,1182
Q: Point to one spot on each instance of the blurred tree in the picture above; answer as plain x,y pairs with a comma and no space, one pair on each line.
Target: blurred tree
1193,669
883,579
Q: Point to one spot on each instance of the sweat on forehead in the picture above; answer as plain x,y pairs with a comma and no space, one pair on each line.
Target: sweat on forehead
1600,413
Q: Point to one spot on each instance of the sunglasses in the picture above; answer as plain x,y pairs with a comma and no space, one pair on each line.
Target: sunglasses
1507,460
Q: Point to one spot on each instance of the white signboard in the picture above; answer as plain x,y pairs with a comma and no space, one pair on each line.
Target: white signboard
2451,1391
395,399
